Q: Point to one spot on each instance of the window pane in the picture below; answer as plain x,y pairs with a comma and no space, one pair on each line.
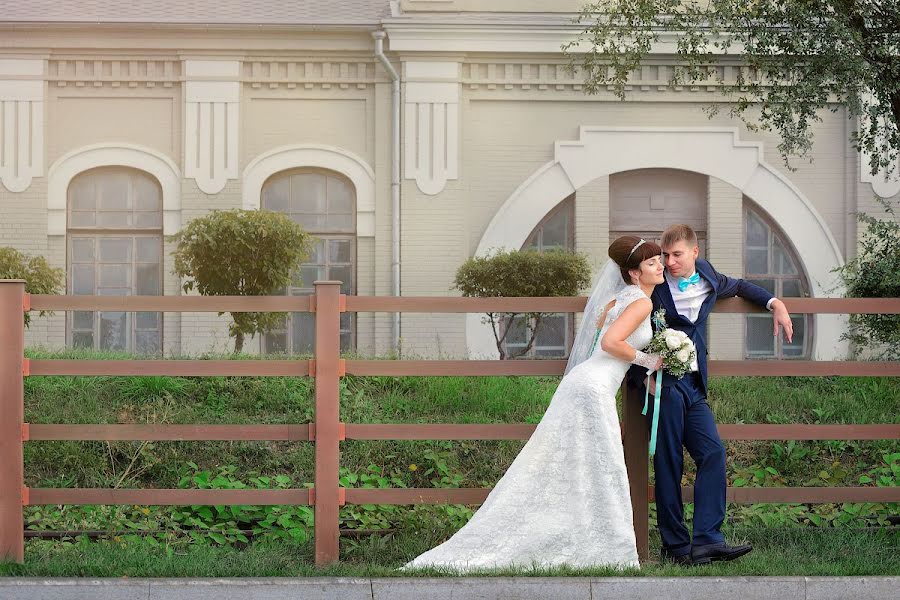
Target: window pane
518,334
147,283
309,275
114,191
148,249
148,219
308,193
82,219
115,219
790,288
115,250
113,330
783,263
552,331
795,347
82,250
338,222
82,195
83,280
757,231
146,320
83,339
83,319
555,230
147,195
277,194
340,196
115,276
339,251
147,342
303,332
317,254
309,222
757,261
760,341
343,275
275,343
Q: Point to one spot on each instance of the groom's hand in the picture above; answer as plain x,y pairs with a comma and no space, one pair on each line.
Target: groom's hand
782,320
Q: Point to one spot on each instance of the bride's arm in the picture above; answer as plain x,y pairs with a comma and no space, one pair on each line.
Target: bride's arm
613,341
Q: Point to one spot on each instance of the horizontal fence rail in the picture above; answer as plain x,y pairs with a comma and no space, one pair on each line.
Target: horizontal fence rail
327,432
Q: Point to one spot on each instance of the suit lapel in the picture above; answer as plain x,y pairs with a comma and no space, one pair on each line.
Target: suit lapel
702,269
665,298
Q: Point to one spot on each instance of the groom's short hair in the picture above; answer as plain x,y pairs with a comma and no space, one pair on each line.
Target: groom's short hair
678,232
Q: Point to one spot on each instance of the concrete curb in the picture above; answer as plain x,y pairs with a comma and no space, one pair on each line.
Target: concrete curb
457,588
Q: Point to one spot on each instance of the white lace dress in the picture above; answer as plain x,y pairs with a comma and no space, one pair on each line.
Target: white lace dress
565,498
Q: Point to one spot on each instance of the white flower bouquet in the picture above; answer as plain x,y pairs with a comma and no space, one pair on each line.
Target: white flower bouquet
675,347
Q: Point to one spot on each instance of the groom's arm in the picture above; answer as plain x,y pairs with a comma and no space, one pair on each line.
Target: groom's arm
728,287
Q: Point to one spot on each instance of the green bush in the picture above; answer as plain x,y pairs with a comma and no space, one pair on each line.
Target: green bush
522,273
39,276
241,253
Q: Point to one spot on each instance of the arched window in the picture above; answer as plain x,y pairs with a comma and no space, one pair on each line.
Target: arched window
770,262
324,203
115,249
555,335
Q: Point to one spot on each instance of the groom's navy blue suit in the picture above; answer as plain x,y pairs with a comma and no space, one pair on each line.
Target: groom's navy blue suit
685,419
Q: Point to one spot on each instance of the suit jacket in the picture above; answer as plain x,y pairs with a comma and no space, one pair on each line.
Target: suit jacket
722,287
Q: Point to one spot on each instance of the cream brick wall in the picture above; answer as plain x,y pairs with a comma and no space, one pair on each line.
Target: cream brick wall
725,251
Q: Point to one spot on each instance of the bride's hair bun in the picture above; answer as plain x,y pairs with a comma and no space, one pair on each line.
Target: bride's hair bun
627,256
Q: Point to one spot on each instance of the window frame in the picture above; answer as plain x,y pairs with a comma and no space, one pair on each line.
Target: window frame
98,233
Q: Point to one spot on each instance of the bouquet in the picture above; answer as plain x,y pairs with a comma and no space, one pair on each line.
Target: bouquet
675,347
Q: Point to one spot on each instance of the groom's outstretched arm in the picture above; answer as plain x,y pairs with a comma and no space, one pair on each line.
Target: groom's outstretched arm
728,287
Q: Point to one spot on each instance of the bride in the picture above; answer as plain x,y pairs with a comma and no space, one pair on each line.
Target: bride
565,499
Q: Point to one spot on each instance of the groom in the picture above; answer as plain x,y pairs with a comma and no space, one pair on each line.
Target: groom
690,290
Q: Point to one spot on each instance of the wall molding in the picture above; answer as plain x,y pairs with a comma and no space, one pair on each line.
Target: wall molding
145,159
319,156
713,151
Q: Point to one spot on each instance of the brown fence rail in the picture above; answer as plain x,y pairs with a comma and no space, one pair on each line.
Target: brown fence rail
327,432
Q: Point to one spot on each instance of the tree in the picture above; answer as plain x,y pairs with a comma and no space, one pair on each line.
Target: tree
39,276
873,274
241,253
800,56
521,273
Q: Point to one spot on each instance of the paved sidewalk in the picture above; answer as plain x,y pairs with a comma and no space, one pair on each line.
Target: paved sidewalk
481,588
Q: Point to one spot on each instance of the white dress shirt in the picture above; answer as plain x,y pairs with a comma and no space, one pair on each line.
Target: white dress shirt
688,302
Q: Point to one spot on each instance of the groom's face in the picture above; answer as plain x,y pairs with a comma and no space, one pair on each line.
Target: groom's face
680,258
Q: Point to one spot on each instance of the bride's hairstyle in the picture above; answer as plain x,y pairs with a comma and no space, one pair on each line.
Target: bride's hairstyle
628,252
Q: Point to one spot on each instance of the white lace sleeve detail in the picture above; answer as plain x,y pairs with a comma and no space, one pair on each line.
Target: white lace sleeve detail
623,299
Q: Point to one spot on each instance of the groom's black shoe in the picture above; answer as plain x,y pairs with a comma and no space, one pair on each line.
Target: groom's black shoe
703,555
683,560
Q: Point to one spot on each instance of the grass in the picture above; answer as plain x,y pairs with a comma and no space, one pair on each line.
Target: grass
468,463
780,551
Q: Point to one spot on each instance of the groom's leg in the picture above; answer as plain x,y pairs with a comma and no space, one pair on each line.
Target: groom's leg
668,466
701,437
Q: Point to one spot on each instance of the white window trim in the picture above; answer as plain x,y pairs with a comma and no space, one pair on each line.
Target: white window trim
142,158
714,151
334,159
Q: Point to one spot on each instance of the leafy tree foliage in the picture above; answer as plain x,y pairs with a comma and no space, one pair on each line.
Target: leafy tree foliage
241,253
521,273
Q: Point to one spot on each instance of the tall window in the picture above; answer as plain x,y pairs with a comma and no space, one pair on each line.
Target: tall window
324,203
115,249
770,262
556,331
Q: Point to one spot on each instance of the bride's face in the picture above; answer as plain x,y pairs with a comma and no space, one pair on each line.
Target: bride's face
650,273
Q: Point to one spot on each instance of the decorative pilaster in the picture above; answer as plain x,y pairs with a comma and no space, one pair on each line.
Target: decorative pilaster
21,122
211,102
431,124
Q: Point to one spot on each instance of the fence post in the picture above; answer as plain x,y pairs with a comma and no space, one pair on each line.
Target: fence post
328,354
637,446
12,353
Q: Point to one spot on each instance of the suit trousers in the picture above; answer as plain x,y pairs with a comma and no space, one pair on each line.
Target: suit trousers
685,419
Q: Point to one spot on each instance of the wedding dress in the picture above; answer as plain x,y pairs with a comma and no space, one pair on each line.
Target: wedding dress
565,498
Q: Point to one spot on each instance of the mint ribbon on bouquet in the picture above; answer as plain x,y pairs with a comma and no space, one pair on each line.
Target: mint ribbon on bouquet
656,396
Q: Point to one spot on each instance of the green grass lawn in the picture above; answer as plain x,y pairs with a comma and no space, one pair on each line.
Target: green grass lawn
847,539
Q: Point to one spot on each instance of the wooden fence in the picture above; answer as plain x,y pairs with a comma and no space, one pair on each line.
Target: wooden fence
327,432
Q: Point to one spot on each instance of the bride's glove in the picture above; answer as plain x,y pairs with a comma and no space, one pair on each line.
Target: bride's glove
650,361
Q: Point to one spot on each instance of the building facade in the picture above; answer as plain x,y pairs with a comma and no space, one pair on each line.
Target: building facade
122,124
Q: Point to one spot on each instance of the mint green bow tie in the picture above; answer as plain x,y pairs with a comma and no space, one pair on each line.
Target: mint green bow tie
683,283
